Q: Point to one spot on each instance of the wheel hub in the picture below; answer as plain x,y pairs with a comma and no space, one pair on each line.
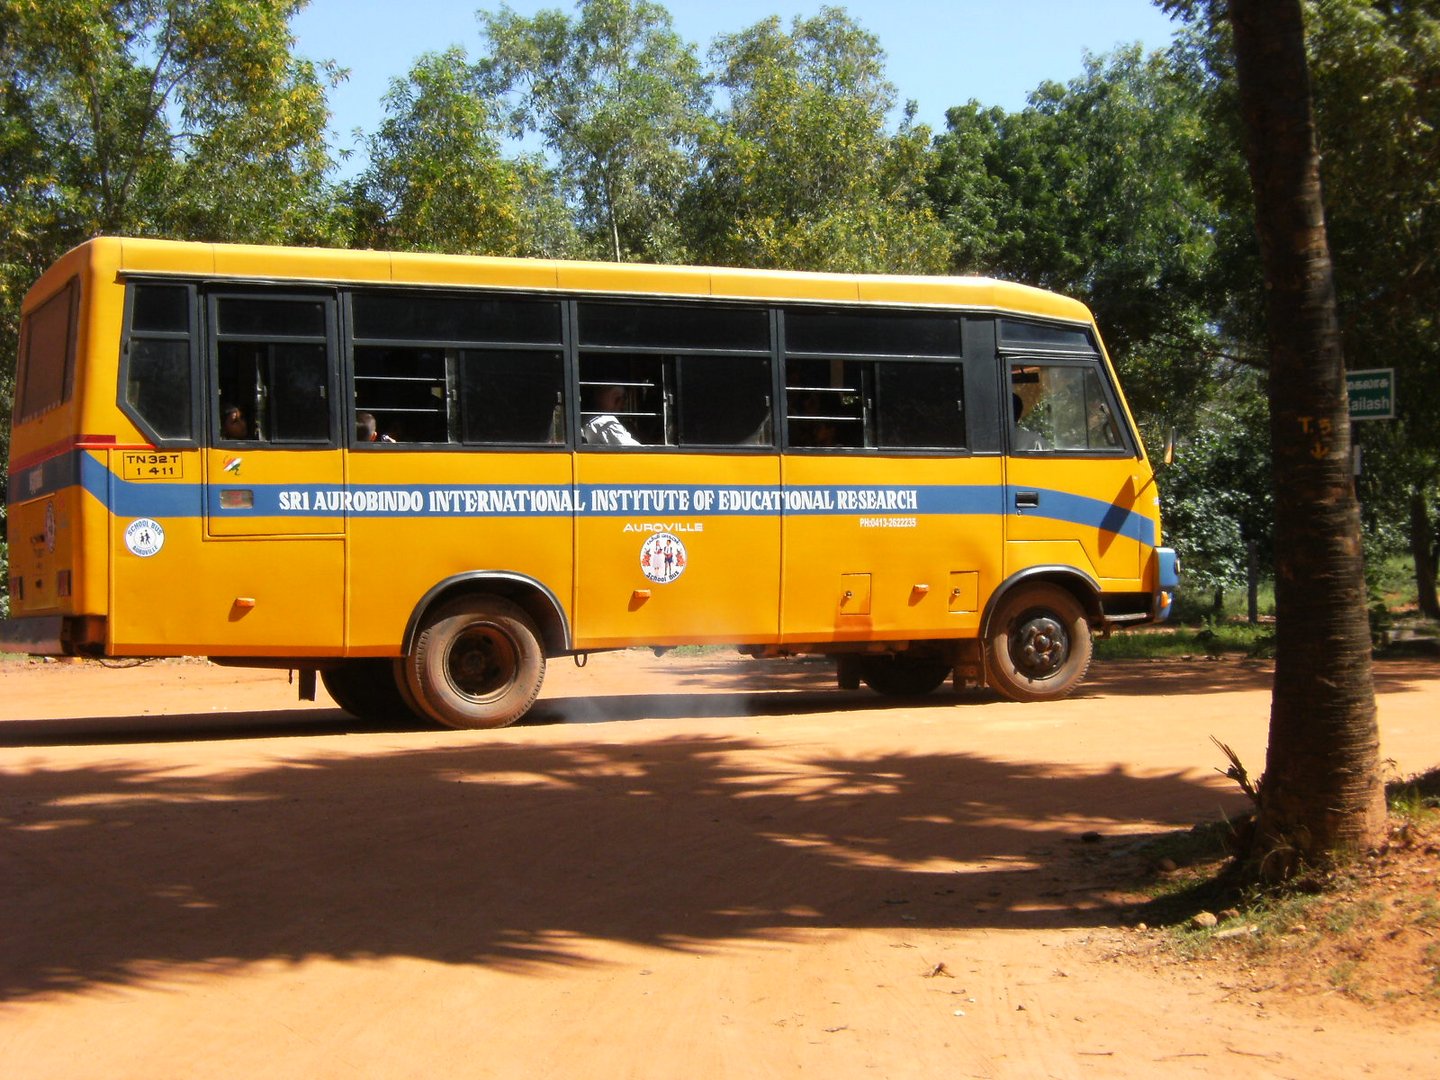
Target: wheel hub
1040,647
480,663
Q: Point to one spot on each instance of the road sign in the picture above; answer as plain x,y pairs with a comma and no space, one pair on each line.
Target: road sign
1372,394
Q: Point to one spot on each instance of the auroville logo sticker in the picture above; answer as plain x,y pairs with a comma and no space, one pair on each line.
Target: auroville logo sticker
662,557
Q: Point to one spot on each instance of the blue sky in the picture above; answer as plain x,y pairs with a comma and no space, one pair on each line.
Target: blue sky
939,54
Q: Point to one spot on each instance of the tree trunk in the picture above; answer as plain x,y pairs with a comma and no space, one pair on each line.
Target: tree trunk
1252,582
1321,794
1422,549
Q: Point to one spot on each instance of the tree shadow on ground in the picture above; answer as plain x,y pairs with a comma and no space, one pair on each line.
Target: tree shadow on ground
514,856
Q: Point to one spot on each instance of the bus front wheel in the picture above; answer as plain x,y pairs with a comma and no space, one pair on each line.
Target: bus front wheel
1038,647
477,663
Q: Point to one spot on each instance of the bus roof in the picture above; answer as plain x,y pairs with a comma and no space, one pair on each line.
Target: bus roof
120,256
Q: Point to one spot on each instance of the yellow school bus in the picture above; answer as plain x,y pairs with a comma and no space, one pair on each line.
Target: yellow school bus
421,476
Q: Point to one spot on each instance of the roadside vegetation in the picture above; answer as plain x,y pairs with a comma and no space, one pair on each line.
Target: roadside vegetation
1219,625
1367,929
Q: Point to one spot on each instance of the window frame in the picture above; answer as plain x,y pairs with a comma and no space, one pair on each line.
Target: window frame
215,337
24,409
869,389
452,350
191,337
1128,445
670,361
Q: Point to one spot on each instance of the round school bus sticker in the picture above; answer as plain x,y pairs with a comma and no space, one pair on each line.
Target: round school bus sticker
144,537
662,557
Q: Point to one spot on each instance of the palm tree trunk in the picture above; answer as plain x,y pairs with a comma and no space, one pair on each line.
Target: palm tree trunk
1321,793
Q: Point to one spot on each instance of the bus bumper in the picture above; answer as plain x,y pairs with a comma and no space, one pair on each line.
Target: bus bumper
54,635
38,635
1168,584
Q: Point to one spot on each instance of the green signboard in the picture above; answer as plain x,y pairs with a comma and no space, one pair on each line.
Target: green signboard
1372,394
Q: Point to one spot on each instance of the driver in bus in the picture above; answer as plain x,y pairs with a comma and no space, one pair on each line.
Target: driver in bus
605,428
1024,438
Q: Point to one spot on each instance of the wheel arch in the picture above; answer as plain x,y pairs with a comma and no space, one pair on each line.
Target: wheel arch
537,600
1078,583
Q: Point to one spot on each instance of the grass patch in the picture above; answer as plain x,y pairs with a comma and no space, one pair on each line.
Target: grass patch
693,650
1219,639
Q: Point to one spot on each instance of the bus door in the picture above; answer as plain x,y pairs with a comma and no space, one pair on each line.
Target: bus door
265,574
1073,473
677,527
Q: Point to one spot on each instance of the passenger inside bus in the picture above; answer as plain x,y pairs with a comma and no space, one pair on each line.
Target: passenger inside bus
233,424
605,428
366,429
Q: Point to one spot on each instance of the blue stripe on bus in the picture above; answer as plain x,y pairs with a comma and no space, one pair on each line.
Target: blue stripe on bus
131,499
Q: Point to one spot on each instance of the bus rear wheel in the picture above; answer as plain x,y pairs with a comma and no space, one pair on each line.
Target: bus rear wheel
477,663
369,690
1038,647
903,676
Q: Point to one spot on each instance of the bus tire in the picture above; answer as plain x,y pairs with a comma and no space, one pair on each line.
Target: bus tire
477,663
1038,647
903,676
368,690
399,672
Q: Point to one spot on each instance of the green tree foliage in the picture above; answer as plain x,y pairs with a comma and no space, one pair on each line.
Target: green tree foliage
161,115
1090,190
1216,493
618,98
1377,75
1375,71
438,179
151,117
799,170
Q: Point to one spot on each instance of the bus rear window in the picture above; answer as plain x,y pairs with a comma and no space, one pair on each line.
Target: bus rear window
47,354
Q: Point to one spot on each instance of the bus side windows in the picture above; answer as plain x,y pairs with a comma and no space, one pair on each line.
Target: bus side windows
920,405
158,374
272,363
877,380
695,401
825,403
626,401
512,397
459,368
674,374
724,401
884,404
405,388
157,385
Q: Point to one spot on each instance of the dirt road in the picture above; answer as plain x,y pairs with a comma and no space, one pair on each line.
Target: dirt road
685,867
